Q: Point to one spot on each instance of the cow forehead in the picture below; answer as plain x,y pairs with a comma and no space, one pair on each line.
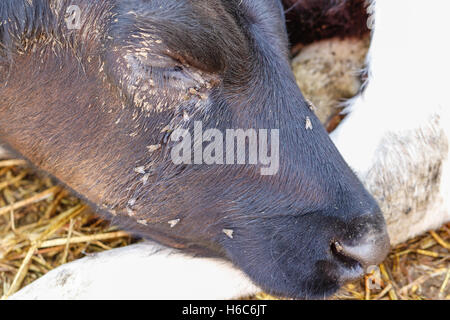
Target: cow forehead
201,34
209,34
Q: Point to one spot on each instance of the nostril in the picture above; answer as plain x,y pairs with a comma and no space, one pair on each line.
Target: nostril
339,253
371,250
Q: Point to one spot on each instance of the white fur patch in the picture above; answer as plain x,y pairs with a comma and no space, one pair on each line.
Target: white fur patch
142,271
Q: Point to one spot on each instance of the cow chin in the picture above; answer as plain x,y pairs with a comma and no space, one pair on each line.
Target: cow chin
286,258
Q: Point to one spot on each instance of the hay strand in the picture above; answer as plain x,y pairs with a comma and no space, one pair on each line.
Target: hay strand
36,198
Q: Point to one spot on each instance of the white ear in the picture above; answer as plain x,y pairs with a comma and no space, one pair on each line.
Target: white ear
141,271
396,136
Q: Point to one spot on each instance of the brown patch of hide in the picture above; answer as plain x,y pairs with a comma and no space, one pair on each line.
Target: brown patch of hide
312,20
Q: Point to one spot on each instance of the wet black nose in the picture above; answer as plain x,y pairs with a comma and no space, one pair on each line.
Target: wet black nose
356,256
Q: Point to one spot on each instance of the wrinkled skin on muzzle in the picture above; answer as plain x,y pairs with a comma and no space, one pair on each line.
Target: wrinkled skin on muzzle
97,108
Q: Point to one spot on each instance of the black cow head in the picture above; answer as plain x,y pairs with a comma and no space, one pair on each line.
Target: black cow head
113,107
